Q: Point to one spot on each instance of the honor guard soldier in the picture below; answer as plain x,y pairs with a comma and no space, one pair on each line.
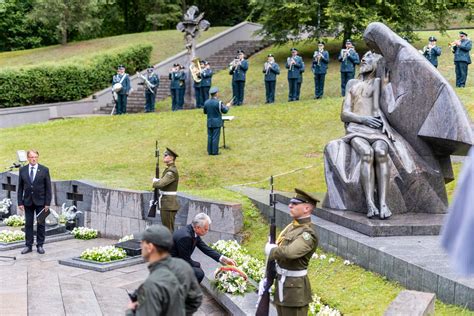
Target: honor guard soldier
168,185
150,89
293,250
163,292
271,71
349,59
462,59
320,68
121,87
197,88
431,51
238,69
293,64
206,81
214,109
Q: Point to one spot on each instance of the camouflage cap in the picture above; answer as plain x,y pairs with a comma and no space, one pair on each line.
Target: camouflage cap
303,197
158,235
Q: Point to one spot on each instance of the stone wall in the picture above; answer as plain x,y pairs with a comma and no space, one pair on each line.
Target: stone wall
119,212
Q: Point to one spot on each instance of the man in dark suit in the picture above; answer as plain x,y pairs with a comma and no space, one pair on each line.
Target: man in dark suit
187,238
34,195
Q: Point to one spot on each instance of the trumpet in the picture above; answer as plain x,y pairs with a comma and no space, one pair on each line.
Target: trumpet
452,45
266,67
195,69
318,55
234,64
345,52
291,61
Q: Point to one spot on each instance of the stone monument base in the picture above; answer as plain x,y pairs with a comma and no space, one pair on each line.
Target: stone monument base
51,230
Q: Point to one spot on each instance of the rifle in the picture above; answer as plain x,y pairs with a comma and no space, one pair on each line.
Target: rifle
263,308
156,193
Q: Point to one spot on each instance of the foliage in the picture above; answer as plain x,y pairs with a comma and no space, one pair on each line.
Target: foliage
66,82
84,233
67,16
7,236
104,254
316,308
15,221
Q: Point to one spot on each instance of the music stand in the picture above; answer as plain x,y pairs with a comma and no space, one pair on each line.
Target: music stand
224,119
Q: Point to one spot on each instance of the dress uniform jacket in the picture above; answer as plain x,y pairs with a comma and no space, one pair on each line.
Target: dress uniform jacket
161,293
206,78
432,55
348,65
272,72
168,183
238,74
214,110
155,81
322,67
294,71
461,53
125,83
296,244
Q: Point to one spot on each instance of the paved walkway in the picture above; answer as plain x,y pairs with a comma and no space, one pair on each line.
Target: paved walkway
37,285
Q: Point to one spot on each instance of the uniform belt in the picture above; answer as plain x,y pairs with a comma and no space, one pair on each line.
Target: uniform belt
287,273
164,193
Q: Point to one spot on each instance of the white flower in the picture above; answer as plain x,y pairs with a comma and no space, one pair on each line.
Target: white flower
314,256
331,260
322,257
347,262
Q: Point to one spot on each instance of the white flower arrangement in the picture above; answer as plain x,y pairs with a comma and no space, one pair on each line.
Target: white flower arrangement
316,308
254,268
5,205
126,237
331,260
322,257
104,254
347,263
15,221
8,236
231,280
84,233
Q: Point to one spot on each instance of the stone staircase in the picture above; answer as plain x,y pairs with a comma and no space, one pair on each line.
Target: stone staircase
219,61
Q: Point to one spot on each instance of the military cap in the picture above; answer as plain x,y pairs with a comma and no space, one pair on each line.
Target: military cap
349,41
432,39
120,67
240,51
171,153
158,235
293,49
206,62
270,55
320,43
213,90
303,197
463,33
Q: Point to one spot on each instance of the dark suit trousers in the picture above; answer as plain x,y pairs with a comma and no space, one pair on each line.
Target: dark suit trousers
293,89
213,135
461,73
199,273
319,85
40,229
345,77
270,91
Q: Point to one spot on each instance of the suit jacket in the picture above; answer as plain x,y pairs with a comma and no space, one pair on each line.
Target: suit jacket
37,193
184,243
214,109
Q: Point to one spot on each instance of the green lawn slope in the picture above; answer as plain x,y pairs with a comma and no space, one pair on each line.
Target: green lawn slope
263,140
165,44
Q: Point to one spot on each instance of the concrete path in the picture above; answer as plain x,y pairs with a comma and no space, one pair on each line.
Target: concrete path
37,285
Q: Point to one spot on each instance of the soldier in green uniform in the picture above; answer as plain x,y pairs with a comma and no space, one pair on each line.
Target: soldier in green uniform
162,293
214,109
168,185
462,58
292,252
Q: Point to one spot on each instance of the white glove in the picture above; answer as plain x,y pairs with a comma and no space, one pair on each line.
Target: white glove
269,247
152,202
261,286
156,180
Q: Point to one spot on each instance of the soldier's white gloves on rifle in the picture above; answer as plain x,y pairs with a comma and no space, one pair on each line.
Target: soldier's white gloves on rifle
269,247
156,180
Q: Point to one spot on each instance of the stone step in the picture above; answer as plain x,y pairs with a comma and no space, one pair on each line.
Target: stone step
79,297
44,291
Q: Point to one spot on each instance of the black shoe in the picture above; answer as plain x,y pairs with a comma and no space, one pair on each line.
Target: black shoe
40,250
26,250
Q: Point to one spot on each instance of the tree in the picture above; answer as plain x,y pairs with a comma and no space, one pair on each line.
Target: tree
67,16
164,14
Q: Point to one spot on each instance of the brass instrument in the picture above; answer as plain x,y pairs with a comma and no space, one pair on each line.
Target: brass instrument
318,55
267,67
234,64
291,61
195,68
149,85
452,45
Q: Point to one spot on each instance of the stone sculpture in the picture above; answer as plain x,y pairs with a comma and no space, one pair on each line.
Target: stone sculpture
399,138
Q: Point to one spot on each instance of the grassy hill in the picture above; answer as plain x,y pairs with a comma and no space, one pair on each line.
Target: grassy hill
165,44
262,140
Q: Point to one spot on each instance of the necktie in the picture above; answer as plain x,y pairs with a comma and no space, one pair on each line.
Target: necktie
32,175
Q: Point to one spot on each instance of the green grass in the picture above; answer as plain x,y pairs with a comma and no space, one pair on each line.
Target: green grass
165,44
263,140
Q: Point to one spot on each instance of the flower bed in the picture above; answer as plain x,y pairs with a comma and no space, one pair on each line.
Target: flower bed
7,236
15,221
316,308
84,233
103,254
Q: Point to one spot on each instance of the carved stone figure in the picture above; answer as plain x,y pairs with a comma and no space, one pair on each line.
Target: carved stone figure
403,121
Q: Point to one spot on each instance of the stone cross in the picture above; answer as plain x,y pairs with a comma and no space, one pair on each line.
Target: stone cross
74,195
9,187
192,25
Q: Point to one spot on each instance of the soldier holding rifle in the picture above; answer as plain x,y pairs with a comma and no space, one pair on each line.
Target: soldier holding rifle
168,185
292,252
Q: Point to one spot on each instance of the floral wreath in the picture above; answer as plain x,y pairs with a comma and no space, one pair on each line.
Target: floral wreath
234,270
